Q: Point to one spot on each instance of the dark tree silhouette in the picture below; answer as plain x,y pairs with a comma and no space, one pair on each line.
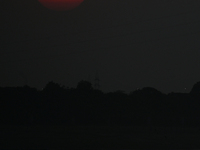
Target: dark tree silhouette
84,105
84,86
53,87
196,88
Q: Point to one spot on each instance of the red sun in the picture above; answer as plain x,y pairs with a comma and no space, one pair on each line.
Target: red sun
61,5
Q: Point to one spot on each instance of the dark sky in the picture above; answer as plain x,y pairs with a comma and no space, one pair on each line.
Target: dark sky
130,43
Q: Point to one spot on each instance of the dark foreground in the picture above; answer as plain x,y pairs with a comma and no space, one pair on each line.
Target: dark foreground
98,137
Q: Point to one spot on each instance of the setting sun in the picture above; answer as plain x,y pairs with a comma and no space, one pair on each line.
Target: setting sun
61,5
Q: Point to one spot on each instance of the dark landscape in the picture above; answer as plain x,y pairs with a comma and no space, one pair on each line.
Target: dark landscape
84,117
99,74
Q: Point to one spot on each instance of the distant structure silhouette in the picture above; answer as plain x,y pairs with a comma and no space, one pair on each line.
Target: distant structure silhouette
24,77
97,81
89,78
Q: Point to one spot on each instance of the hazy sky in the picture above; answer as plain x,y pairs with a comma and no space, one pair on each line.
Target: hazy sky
130,43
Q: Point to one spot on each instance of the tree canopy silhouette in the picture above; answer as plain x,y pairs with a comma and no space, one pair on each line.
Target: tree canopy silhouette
84,86
84,105
196,88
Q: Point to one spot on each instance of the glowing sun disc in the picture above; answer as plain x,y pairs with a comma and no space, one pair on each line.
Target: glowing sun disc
61,5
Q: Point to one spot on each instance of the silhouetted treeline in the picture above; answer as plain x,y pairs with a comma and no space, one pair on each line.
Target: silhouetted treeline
84,105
